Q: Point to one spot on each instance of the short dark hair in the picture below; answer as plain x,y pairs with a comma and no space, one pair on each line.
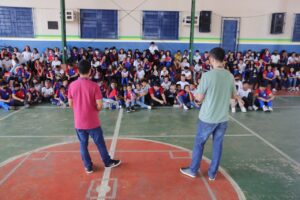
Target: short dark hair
217,53
84,67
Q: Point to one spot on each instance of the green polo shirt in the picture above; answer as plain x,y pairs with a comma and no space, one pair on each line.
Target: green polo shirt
218,86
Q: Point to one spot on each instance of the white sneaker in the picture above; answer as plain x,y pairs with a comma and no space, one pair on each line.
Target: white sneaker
270,109
250,108
255,107
274,90
243,109
120,106
233,110
297,89
185,107
149,107
265,109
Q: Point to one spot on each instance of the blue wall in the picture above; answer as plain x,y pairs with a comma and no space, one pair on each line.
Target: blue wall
41,45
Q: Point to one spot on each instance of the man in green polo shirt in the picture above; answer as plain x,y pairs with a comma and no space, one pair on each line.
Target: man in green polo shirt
215,90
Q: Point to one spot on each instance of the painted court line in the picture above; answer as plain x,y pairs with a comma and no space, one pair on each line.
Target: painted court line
291,160
124,136
107,171
13,170
210,192
11,114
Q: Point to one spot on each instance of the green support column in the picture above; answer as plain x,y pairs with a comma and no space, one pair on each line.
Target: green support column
63,31
192,31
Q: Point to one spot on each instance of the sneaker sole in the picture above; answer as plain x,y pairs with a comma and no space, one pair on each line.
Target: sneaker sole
187,174
211,179
115,165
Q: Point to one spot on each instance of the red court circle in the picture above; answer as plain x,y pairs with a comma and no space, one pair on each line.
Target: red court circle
150,170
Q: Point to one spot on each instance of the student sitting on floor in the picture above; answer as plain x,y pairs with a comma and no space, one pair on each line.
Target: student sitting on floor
129,98
112,100
6,101
157,95
20,96
34,96
186,98
140,99
244,100
47,92
61,98
264,98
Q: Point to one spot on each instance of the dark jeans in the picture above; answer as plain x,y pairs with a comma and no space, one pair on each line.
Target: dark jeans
248,100
97,135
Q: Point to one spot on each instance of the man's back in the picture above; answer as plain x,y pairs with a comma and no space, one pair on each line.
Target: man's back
84,94
218,87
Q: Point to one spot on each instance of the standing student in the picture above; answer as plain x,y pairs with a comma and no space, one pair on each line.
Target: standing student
86,100
215,90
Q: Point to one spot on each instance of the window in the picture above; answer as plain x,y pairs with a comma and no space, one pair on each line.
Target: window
160,25
16,22
53,25
296,34
99,24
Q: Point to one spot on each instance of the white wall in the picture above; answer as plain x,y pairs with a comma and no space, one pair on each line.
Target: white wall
255,14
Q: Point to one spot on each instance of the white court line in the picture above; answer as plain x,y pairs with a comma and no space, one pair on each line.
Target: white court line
291,160
13,170
210,192
124,136
107,171
10,114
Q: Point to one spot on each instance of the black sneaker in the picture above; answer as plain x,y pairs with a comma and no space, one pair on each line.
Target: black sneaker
128,110
132,109
89,170
114,163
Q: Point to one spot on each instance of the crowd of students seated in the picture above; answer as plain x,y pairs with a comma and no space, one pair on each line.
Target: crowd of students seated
143,79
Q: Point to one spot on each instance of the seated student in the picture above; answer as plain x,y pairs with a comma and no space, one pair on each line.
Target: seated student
244,99
6,101
72,72
171,95
187,74
157,95
140,96
292,80
166,83
270,77
20,96
34,96
47,92
60,98
298,79
186,98
182,81
112,100
129,98
125,76
264,98
145,88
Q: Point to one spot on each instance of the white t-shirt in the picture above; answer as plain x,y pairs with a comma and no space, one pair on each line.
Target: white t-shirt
298,74
124,74
164,73
238,85
182,84
0,64
242,67
291,60
47,92
121,57
166,85
26,56
140,74
186,73
198,68
6,64
55,63
197,58
96,64
152,48
275,58
243,93
35,56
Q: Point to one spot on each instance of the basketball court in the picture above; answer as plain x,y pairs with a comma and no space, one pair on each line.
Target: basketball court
41,160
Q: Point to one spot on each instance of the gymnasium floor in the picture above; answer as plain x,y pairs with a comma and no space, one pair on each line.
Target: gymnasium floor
261,152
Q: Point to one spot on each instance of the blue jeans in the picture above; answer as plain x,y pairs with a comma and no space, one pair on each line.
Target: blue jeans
204,130
3,105
262,103
292,82
141,102
187,103
97,135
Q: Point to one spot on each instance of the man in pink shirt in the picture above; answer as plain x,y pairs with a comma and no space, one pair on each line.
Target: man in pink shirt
86,100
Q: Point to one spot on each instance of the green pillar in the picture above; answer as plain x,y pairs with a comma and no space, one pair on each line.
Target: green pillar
63,31
192,31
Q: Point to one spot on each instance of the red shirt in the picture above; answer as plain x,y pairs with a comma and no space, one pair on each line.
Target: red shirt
84,94
152,91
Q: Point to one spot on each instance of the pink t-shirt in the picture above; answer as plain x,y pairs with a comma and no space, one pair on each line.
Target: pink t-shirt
84,94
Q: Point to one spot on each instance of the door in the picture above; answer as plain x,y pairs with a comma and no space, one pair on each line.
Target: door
230,33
